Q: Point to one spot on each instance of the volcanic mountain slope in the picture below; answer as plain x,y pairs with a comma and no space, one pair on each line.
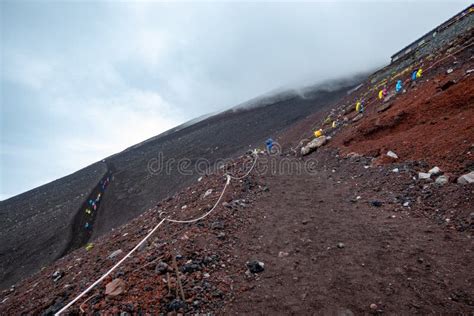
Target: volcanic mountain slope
430,120
135,188
35,226
41,225
343,231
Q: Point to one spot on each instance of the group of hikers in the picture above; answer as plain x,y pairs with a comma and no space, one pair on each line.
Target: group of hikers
359,106
92,204
383,93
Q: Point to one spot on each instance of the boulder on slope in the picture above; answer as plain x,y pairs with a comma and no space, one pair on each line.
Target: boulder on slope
313,145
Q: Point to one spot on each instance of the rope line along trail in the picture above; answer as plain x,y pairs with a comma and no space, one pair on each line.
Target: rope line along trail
228,180
248,172
205,214
229,177
93,285
110,270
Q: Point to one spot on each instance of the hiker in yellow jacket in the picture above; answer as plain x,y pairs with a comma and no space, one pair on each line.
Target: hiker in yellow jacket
418,73
359,107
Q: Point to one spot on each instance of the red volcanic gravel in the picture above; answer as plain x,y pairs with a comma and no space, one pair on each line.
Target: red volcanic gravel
426,124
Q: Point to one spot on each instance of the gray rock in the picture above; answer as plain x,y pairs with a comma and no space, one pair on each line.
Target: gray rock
210,259
115,253
142,246
162,267
357,117
340,245
176,305
235,204
388,97
434,171
424,175
344,312
466,178
353,155
190,267
55,307
255,266
217,293
265,189
384,107
442,180
208,192
57,275
376,203
313,145
391,154
217,225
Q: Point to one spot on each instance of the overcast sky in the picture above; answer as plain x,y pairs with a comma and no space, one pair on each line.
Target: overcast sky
81,80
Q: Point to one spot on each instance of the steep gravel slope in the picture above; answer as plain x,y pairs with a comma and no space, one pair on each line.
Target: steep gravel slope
38,226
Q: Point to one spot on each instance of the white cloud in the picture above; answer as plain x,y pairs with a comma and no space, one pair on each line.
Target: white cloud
27,70
103,127
151,46
111,124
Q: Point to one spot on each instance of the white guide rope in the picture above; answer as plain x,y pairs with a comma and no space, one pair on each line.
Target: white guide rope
228,178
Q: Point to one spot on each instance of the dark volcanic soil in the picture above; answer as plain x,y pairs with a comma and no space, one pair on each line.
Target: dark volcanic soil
135,189
38,224
326,251
35,226
335,239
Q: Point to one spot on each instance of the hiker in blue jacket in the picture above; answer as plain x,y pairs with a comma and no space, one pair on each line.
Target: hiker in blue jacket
399,86
269,144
